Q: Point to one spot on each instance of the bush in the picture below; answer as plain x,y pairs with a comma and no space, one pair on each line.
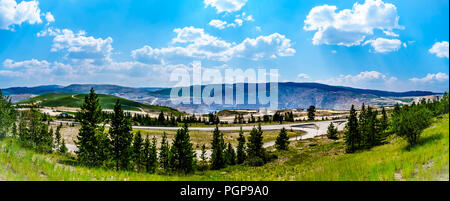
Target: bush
254,161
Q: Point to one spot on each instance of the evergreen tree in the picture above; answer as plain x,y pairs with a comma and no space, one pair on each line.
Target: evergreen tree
152,160
7,115
241,155
90,148
351,131
62,147
164,152
204,160
137,148
230,154
372,128
182,155
14,130
384,122
361,135
121,138
146,149
57,143
282,142
332,132
218,147
311,112
255,149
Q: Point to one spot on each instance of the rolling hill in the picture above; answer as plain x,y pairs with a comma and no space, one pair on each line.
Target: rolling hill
106,102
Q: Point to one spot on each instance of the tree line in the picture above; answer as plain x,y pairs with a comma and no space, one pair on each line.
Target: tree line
369,128
120,149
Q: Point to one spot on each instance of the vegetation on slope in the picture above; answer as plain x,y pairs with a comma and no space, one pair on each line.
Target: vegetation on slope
106,102
313,159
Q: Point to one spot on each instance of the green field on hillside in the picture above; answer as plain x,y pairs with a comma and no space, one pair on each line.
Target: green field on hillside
307,160
106,102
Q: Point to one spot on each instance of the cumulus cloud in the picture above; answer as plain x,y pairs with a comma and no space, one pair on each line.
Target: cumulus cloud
79,47
218,24
225,5
272,46
350,27
12,13
438,77
194,43
49,18
383,45
440,49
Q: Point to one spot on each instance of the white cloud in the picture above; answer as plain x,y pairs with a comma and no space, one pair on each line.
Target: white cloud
366,79
218,24
226,5
8,63
391,33
303,76
383,45
49,18
12,13
193,43
239,21
272,46
440,49
439,77
79,47
351,27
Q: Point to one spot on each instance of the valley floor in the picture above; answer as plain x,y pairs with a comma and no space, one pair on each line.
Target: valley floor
316,159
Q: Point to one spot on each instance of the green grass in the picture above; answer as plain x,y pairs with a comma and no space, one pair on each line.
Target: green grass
308,160
106,102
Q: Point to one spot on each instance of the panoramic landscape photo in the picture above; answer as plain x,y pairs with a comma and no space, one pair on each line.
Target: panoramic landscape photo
224,90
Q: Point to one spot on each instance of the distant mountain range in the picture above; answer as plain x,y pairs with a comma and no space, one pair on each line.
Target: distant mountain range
290,95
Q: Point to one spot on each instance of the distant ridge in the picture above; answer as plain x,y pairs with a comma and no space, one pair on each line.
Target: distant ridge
290,95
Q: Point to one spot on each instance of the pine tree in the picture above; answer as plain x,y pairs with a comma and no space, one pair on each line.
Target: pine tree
241,154
182,155
255,149
152,161
204,160
62,147
146,149
121,138
14,130
311,112
372,128
57,143
332,132
164,153
218,147
282,142
351,131
384,122
138,151
90,148
7,115
361,135
230,154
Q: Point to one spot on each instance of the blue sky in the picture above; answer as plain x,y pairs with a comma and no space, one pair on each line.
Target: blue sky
390,45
